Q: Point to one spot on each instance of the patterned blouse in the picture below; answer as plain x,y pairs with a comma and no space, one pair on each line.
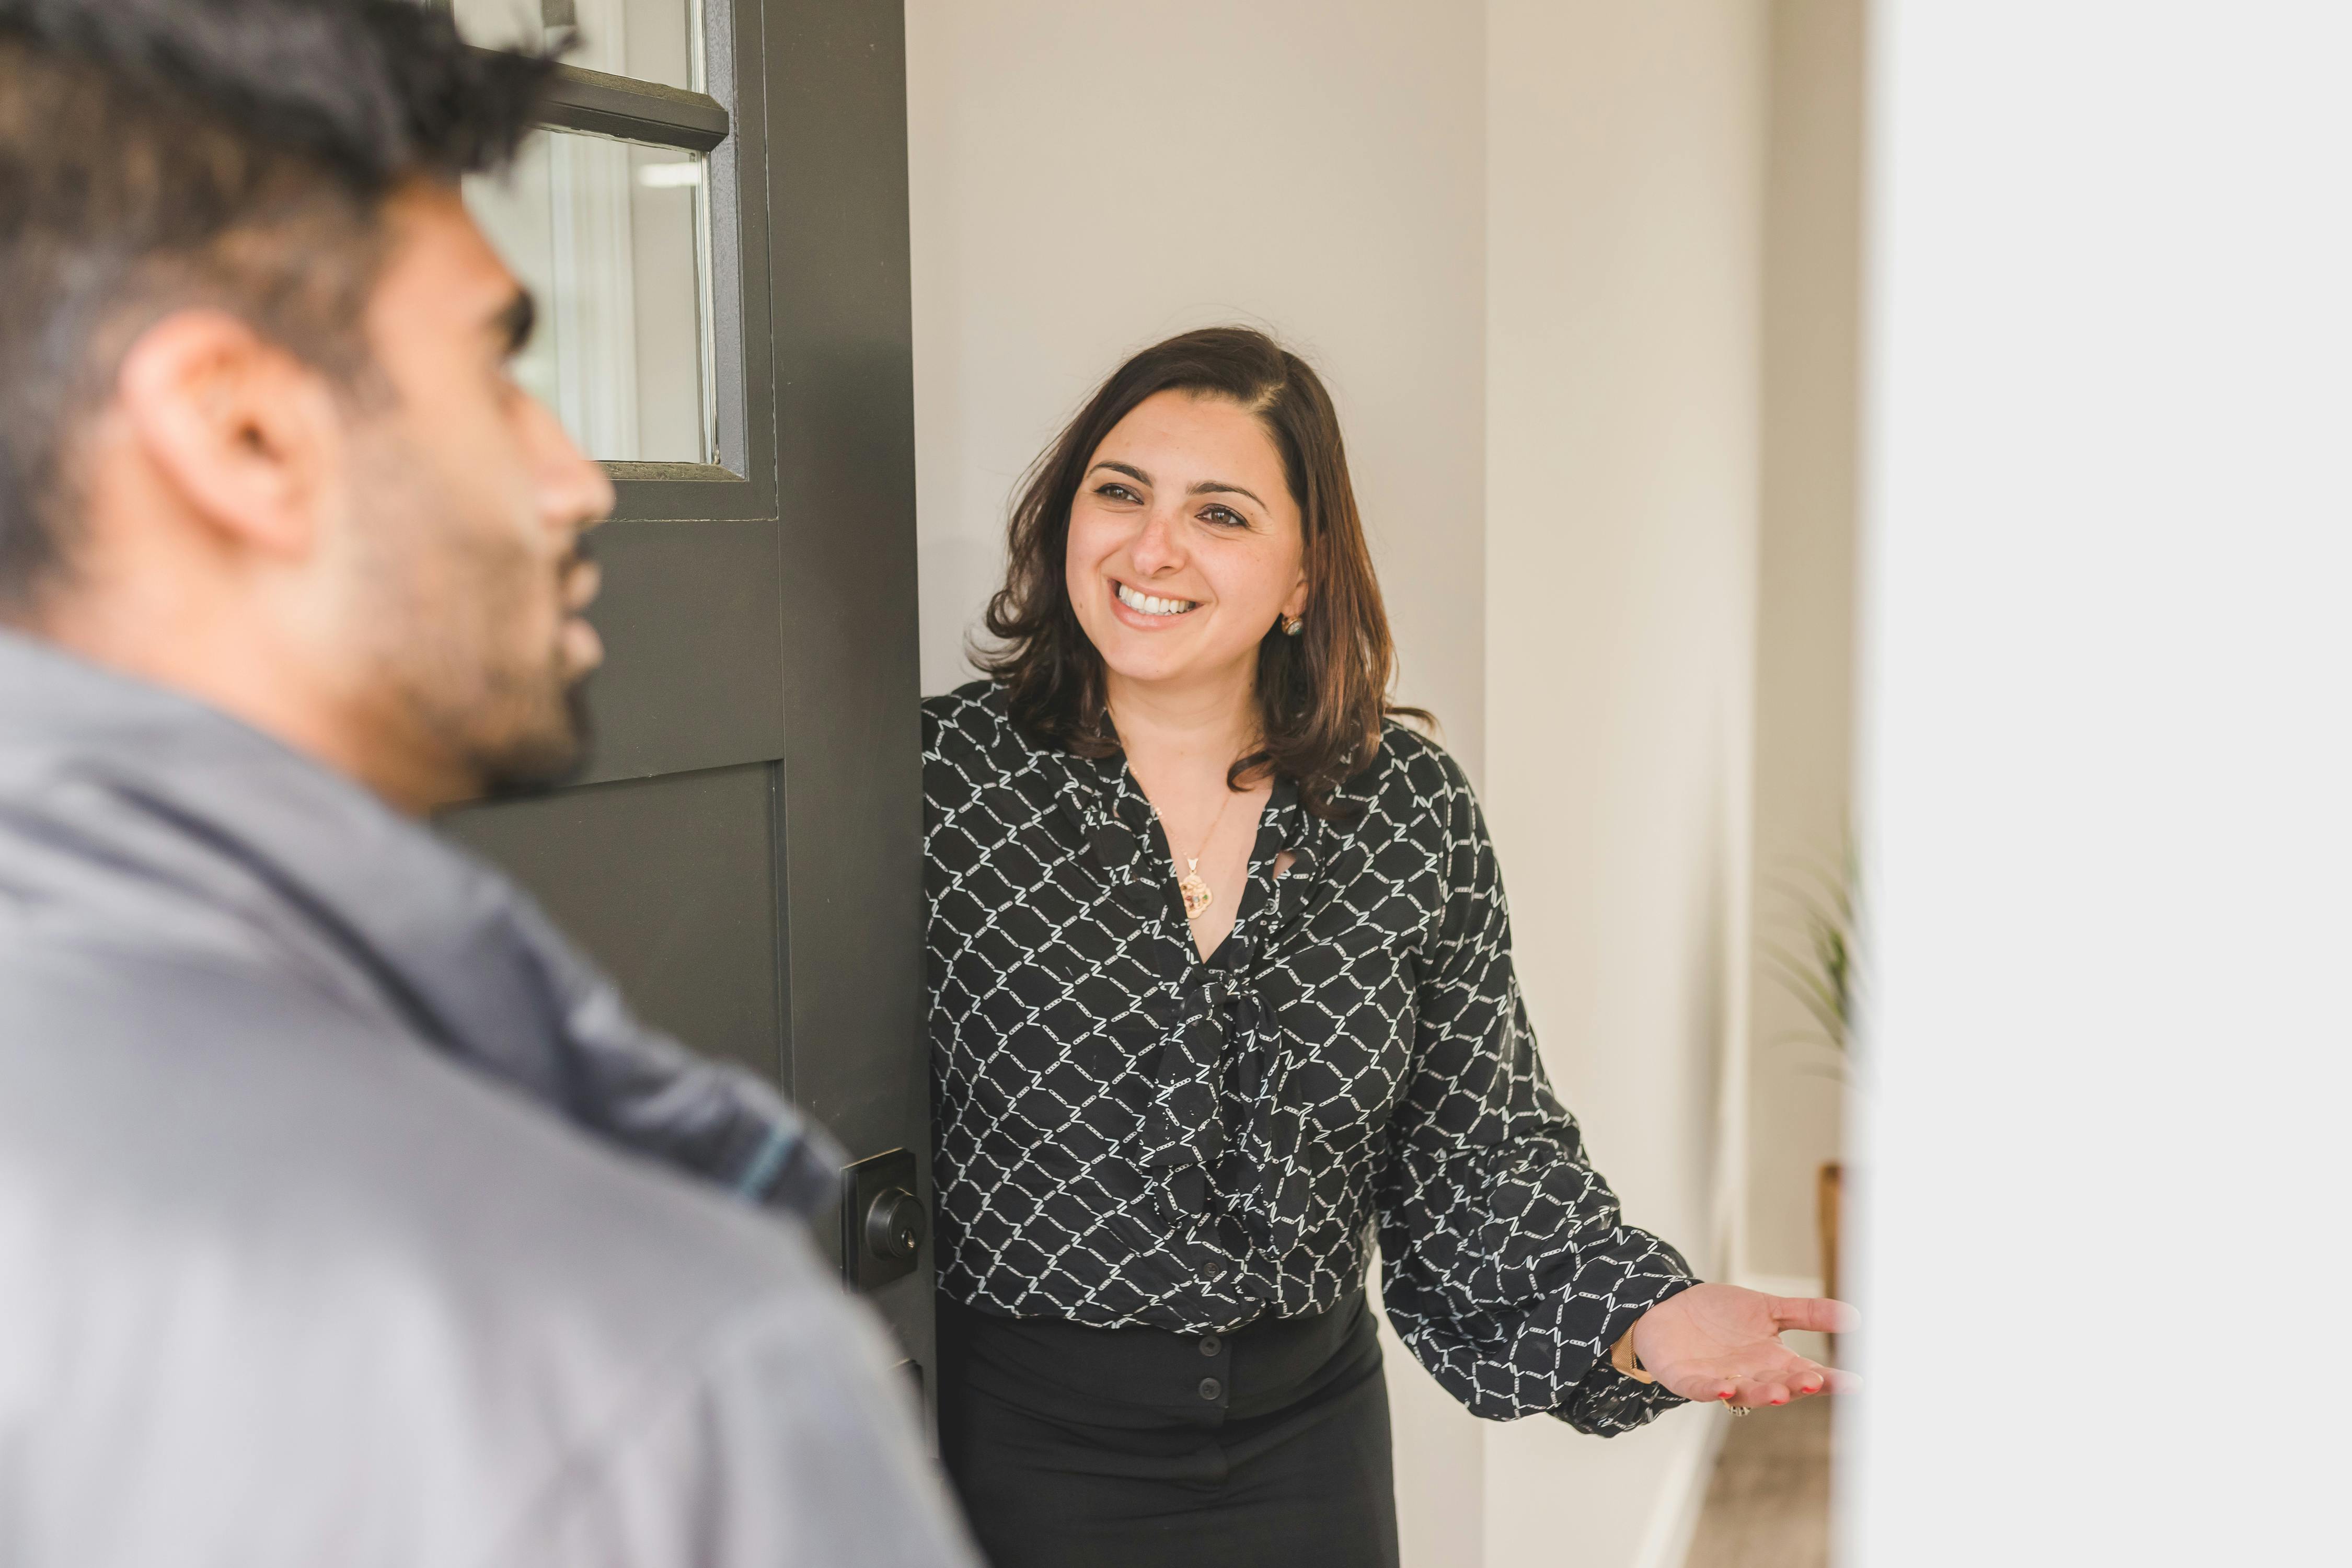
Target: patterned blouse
1129,1134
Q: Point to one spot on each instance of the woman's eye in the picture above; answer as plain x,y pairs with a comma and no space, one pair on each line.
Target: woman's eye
1225,516
1116,491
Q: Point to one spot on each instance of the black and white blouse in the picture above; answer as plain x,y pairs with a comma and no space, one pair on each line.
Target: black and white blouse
1129,1134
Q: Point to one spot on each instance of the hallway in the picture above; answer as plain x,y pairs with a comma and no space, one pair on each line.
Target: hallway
1768,1503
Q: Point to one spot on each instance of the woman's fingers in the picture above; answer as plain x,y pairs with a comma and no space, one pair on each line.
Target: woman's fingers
1755,1392
1711,1386
1746,1390
1817,1313
1766,1375
1807,1378
1778,1379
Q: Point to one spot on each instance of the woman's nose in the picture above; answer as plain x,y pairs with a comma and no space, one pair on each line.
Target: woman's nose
1156,549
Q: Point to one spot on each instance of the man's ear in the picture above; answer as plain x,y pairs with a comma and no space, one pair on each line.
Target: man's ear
246,433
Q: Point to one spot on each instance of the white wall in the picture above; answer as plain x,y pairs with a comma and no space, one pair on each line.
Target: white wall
1089,178
1624,227
1805,611
2109,666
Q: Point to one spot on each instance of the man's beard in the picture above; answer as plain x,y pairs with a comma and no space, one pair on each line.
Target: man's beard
543,757
448,599
517,728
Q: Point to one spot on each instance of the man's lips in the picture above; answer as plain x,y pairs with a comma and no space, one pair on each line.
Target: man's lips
582,581
583,649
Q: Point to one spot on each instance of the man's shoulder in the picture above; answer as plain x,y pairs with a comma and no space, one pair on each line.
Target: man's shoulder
301,1235
283,1263
802,1439
243,1079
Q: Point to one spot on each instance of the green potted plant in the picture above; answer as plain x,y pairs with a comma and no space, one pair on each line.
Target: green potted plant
1822,971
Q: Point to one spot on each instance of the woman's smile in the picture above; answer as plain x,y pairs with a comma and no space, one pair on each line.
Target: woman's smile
1148,611
1183,546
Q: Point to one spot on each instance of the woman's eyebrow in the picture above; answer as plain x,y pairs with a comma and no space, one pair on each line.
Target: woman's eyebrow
1223,486
1205,488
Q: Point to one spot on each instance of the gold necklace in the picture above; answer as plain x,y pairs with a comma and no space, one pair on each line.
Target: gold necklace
1192,885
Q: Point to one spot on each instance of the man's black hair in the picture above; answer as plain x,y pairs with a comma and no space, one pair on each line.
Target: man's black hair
158,154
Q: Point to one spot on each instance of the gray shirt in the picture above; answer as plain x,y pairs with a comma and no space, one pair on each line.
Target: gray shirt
346,1215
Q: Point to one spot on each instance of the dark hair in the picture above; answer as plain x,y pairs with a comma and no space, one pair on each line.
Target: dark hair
1322,696
158,154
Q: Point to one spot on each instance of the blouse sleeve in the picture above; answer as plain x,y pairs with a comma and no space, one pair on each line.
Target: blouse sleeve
1508,1270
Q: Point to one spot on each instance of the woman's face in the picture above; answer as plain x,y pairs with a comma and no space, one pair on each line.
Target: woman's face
1185,544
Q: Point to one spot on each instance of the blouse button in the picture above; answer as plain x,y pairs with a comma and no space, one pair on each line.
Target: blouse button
1211,1345
1210,1388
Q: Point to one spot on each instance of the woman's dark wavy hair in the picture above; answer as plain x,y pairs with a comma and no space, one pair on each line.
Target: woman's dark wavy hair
1322,696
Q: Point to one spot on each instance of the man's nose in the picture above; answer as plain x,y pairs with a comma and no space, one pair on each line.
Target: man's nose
597,495
574,488
585,493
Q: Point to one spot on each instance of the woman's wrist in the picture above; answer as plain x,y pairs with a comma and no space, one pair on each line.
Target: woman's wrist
1622,1356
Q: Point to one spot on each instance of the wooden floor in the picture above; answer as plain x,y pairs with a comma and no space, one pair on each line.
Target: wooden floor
1768,1504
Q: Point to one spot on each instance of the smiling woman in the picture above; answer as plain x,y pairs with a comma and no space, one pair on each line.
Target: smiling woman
1244,435
1222,989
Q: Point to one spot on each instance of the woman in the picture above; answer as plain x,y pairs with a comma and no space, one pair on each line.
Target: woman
1221,991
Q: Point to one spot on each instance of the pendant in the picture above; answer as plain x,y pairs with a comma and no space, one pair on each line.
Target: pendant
1196,893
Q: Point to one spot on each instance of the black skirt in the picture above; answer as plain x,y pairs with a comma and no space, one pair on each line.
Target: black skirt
1083,1447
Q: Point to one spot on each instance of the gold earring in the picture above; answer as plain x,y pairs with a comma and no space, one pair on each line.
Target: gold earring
1293,625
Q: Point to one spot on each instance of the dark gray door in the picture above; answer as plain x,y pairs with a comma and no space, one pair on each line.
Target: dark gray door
744,855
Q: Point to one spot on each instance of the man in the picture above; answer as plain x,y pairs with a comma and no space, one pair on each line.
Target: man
346,1215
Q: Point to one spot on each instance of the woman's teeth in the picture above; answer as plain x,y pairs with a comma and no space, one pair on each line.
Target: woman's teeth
1152,607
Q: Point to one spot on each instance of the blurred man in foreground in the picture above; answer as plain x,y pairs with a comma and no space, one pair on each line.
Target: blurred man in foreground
346,1215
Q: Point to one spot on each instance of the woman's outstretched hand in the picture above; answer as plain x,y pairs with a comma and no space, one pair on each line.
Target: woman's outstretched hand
1721,1342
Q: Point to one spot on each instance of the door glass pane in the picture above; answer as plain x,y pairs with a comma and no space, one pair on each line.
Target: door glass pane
652,40
609,237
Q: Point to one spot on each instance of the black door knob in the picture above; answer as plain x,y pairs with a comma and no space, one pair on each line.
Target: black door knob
882,1220
894,1225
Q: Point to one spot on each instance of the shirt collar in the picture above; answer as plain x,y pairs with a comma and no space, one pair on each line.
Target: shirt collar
120,782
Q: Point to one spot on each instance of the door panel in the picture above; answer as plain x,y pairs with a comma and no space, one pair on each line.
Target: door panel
694,660
651,877
744,855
